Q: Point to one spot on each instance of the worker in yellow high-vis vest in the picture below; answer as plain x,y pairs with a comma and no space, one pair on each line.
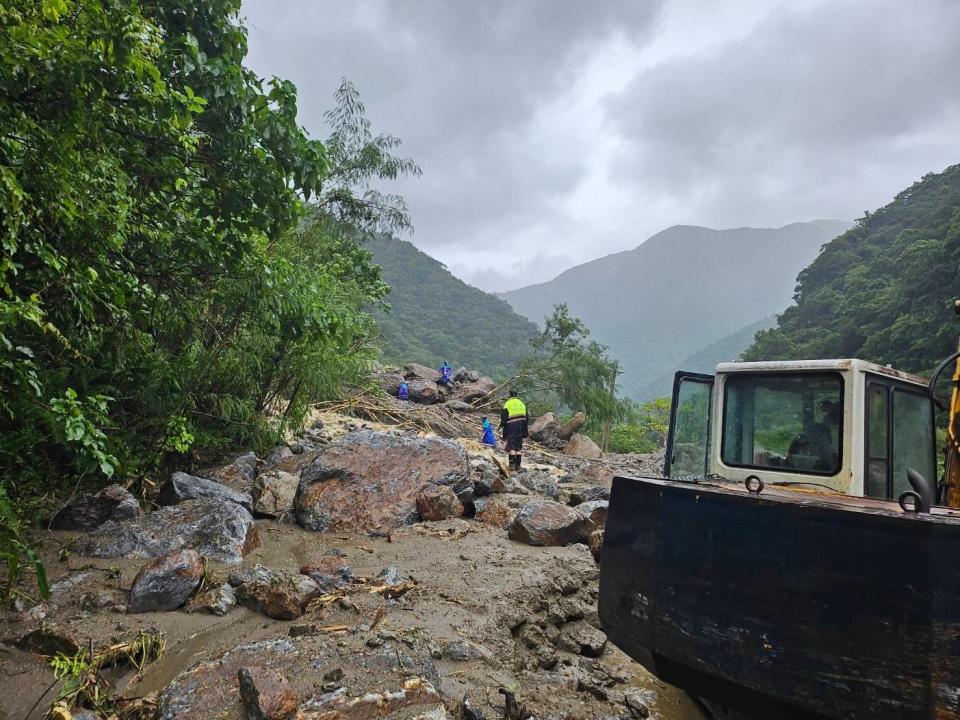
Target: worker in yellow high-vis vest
513,424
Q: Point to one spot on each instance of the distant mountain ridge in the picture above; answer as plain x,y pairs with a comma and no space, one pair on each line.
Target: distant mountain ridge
435,316
679,291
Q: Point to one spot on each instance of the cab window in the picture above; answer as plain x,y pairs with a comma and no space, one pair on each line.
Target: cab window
792,423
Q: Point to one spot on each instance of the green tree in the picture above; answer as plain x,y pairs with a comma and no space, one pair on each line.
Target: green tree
570,372
163,287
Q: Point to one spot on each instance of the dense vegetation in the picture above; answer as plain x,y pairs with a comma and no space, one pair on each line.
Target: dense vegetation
434,316
884,290
678,292
164,286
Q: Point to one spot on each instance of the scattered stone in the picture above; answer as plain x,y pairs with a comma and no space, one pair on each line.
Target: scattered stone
580,446
369,481
636,706
221,531
257,573
266,693
460,406
543,522
469,711
88,512
508,484
438,502
596,512
461,651
594,492
582,638
330,572
273,493
218,601
166,583
182,487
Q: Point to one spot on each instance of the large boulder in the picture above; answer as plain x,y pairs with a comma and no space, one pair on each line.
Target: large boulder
415,371
580,446
273,493
237,474
424,392
389,382
438,502
166,583
473,390
497,511
543,522
369,481
182,487
544,427
222,531
87,512
566,431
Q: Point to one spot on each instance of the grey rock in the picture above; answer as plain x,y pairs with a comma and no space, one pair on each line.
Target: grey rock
182,487
596,512
166,583
540,483
222,531
218,601
257,573
544,522
595,492
273,493
88,512
460,406
582,638
276,456
461,651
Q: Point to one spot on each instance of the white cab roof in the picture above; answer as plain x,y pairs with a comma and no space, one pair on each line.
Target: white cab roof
841,365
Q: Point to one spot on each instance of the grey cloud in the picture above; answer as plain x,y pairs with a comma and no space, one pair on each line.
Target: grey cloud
826,111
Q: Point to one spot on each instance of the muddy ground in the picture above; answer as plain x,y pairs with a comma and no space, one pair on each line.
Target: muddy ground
473,586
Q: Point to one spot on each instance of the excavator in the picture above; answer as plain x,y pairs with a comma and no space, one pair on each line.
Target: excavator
798,557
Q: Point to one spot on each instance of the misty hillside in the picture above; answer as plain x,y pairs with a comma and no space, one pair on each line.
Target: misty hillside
435,316
681,290
727,349
884,290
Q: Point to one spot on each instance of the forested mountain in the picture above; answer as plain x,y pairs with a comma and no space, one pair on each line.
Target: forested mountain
884,290
434,316
705,360
678,292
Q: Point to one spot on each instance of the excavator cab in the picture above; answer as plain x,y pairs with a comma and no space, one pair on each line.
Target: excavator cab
848,426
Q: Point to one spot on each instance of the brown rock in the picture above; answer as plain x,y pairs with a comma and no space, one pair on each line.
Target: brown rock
596,512
167,582
283,600
438,502
543,522
415,371
424,392
496,512
369,481
543,427
266,693
293,464
389,382
273,493
330,572
237,475
470,392
580,446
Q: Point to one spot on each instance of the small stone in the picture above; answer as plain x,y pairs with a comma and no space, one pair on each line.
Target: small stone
636,706
218,601
280,601
460,651
582,638
438,502
266,693
594,492
596,512
330,572
167,582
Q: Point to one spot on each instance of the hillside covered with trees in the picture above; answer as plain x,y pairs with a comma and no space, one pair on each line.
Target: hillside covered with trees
882,291
435,316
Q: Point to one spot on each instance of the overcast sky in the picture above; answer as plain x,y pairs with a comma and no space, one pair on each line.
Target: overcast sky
551,132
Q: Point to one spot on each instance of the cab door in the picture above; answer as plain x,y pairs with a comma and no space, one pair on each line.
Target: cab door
688,441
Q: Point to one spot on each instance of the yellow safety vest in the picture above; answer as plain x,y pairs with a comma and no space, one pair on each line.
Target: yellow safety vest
515,408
